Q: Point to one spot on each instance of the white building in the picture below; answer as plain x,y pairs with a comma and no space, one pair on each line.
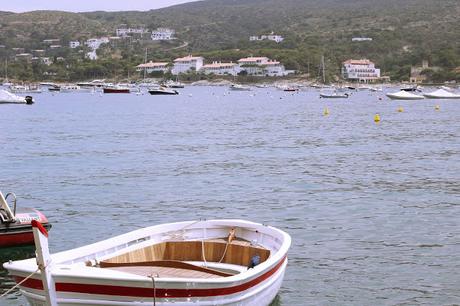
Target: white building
361,39
95,43
124,31
152,67
362,70
273,37
46,60
91,55
262,66
74,44
219,68
163,34
186,64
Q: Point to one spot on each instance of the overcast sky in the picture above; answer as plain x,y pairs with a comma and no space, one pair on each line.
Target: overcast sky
85,5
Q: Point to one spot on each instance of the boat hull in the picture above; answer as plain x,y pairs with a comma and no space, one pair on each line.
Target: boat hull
333,96
20,232
404,98
114,90
160,92
452,97
259,291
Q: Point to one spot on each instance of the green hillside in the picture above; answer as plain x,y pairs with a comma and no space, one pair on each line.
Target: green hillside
404,32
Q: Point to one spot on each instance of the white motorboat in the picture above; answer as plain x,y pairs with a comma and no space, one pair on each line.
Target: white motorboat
240,87
174,84
441,94
25,88
334,95
161,90
211,262
69,88
7,97
404,95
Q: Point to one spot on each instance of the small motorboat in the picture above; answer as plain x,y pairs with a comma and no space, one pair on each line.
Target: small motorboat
7,97
441,94
410,88
239,87
174,84
334,95
15,224
404,95
54,88
291,89
204,262
32,88
115,89
163,91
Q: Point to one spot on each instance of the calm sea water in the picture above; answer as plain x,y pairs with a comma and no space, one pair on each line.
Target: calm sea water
373,209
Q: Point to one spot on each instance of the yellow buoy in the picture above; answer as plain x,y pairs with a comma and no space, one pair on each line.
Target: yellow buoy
326,111
376,118
437,107
400,109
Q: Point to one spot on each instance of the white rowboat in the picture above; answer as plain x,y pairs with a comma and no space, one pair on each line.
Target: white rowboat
213,262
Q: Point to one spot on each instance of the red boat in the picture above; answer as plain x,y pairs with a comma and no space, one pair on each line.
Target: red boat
15,226
115,89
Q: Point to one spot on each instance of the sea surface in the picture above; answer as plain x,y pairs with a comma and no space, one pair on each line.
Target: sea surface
373,209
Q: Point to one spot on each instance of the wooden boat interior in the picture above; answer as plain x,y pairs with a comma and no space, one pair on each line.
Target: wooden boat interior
210,258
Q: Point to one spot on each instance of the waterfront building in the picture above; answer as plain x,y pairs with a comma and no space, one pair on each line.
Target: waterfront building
163,34
362,70
219,68
361,39
153,67
273,37
262,66
74,44
187,64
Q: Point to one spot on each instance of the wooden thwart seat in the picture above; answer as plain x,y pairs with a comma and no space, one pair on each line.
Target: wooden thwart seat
164,264
216,250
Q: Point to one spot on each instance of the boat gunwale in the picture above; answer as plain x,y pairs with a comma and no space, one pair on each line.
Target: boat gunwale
27,266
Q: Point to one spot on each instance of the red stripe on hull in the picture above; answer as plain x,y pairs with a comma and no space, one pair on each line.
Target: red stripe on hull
148,292
15,239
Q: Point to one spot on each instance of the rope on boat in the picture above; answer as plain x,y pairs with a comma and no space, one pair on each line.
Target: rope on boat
154,290
20,283
202,253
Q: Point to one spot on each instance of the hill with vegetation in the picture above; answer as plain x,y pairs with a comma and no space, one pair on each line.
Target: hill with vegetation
403,34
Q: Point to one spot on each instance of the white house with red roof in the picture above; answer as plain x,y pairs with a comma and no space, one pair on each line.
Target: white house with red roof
219,68
362,70
187,64
262,66
153,67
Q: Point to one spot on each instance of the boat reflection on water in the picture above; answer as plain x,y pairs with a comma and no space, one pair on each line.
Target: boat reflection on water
12,253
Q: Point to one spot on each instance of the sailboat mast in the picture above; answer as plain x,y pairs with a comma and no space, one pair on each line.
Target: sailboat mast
145,62
323,69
